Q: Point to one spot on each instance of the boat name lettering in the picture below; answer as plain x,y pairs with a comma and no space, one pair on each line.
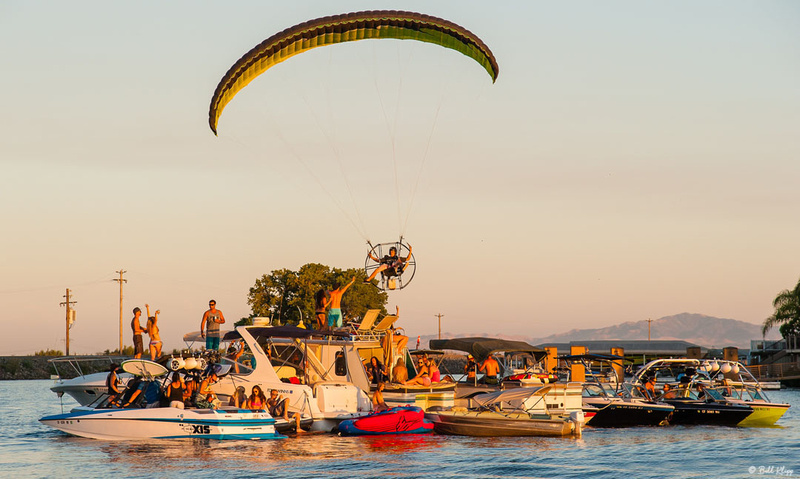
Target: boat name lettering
201,429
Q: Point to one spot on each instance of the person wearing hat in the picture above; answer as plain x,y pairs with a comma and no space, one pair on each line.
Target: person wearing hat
470,368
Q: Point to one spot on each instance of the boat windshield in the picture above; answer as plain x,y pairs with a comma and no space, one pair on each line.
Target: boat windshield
592,391
756,394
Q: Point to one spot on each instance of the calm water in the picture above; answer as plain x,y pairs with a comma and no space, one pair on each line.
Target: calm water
29,449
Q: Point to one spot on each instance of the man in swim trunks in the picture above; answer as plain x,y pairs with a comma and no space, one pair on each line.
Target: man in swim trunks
335,313
213,318
138,346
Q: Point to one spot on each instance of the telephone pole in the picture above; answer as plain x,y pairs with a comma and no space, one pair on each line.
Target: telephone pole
120,281
648,328
440,316
70,315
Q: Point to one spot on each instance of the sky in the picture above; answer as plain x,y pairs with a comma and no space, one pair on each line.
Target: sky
633,160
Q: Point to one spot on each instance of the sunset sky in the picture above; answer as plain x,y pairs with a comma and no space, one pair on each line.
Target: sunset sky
633,160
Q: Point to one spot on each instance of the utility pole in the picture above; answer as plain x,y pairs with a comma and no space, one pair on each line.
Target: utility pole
440,315
70,315
648,328
120,281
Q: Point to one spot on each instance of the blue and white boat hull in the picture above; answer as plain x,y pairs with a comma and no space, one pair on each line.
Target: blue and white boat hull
165,423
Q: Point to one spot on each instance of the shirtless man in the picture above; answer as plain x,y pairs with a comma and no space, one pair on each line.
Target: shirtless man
138,346
213,318
152,331
335,313
491,368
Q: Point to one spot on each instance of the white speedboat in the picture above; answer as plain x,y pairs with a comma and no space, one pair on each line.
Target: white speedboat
164,423
141,421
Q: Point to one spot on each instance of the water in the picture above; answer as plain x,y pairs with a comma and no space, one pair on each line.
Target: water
29,449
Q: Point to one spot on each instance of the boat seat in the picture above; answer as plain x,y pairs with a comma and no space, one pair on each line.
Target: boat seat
368,321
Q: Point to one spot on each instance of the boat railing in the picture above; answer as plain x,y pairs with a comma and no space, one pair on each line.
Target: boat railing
75,362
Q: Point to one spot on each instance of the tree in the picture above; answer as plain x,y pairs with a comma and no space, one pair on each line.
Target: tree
286,295
787,313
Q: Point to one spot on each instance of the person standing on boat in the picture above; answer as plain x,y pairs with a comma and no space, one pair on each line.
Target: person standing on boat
152,331
335,313
321,303
138,346
211,320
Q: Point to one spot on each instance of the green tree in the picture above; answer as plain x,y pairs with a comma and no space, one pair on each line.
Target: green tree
787,313
285,295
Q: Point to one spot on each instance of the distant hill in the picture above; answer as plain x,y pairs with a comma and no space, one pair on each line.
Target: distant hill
700,329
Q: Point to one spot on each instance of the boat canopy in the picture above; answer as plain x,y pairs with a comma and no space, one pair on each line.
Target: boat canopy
284,332
481,348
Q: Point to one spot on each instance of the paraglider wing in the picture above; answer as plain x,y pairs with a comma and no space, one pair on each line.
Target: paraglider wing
347,27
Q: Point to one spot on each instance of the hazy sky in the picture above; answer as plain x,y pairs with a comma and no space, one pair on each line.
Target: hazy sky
633,160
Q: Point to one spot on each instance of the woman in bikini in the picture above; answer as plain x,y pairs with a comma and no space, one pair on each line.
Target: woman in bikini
423,376
152,331
257,400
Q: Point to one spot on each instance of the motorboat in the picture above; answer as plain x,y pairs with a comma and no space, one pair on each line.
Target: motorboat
607,402
320,373
732,382
514,412
142,421
520,367
686,386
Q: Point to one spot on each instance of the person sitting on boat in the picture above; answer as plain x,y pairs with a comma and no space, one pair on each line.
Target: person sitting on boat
650,387
390,265
667,392
376,371
174,392
114,384
152,330
471,368
190,391
239,398
206,397
701,391
257,399
423,376
491,369
399,371
433,370
276,407
139,391
378,404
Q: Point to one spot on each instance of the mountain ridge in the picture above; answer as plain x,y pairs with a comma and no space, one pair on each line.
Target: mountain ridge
700,329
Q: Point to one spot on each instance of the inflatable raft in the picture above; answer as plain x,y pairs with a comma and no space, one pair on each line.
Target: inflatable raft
397,420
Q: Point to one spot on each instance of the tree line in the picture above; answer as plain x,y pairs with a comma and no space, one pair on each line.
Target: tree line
287,296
